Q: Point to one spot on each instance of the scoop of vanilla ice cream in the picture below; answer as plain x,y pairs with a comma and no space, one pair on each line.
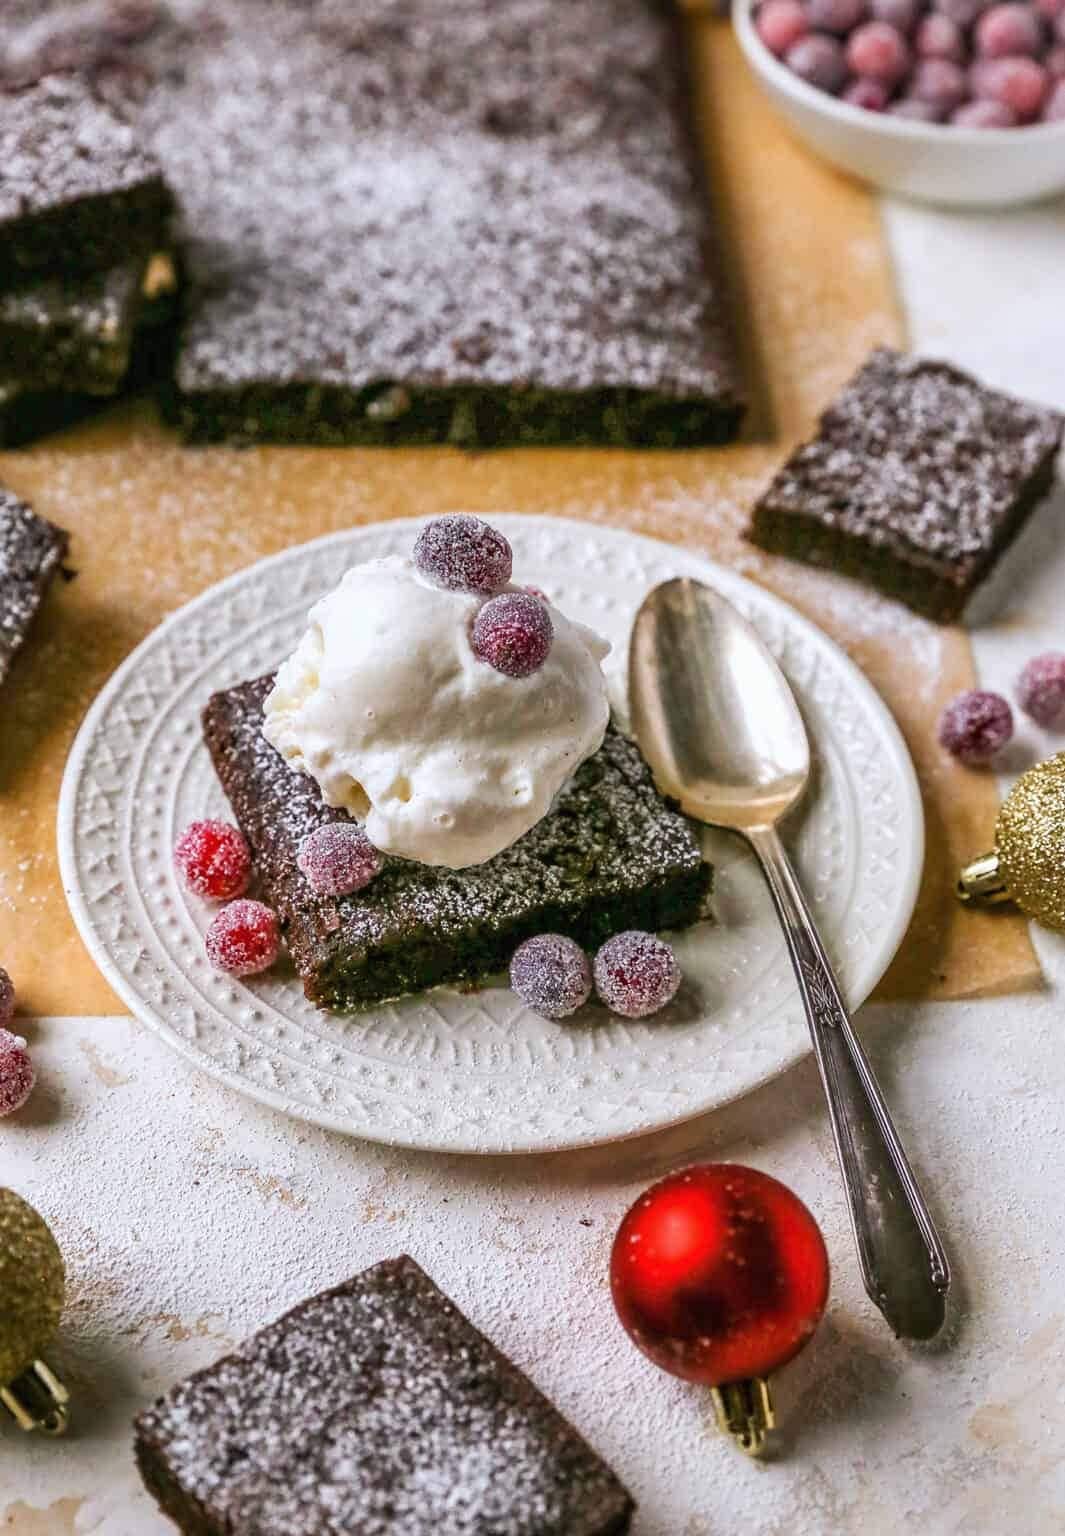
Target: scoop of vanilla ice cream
443,758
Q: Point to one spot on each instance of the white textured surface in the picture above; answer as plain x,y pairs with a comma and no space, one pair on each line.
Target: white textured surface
477,1072
190,1215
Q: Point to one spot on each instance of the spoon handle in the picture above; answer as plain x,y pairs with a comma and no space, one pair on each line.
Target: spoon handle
903,1263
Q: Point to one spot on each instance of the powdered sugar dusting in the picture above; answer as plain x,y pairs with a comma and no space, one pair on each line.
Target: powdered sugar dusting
377,1407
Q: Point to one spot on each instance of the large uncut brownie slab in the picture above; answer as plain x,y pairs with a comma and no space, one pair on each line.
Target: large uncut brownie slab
917,481
77,190
375,1409
31,555
414,222
612,855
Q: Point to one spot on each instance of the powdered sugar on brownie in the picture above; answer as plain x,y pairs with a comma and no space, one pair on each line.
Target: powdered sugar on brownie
31,551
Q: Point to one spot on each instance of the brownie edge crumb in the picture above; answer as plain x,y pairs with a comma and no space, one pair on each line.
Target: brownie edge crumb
374,1407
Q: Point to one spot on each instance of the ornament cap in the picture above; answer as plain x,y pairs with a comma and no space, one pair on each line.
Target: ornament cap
983,883
37,1400
744,1410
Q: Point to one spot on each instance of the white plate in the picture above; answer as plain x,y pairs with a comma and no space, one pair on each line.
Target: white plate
478,1072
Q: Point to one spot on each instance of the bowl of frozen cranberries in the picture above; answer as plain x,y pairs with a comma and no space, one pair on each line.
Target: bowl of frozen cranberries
949,101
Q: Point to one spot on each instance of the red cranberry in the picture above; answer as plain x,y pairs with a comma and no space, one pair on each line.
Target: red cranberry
940,83
976,725
1020,84
962,12
870,94
636,974
937,37
819,61
213,860
780,23
983,114
901,14
1008,30
463,554
839,16
513,633
876,51
1054,63
338,858
551,975
1041,685
17,1075
244,938
1050,10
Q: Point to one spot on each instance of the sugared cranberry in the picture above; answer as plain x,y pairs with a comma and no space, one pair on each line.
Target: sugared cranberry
7,998
1054,64
869,94
1008,31
963,12
839,16
636,974
940,83
338,858
780,23
1050,10
819,61
213,860
976,725
463,554
1054,111
551,975
17,1075
1041,688
877,51
1020,84
244,938
513,634
937,37
901,14
915,111
983,114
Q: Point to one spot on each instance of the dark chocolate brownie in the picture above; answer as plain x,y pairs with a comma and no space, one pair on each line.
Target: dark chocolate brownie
77,191
31,554
76,334
917,481
374,1408
479,223
611,855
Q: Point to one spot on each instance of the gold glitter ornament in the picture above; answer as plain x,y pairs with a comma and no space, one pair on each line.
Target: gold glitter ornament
32,1286
1028,863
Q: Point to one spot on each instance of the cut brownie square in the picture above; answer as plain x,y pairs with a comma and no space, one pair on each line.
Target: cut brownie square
917,481
611,855
76,334
417,223
77,191
374,1408
31,553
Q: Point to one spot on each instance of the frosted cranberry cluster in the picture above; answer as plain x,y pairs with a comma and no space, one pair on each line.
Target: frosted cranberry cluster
634,973
977,724
967,62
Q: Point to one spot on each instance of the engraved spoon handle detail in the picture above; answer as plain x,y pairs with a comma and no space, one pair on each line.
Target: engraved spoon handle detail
903,1262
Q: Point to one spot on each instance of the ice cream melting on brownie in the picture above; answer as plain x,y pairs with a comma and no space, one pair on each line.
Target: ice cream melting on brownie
447,760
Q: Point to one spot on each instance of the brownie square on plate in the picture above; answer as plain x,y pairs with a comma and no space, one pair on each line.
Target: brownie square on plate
77,190
611,855
31,553
917,481
374,1408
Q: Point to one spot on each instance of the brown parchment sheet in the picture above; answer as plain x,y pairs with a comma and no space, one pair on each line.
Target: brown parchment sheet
155,523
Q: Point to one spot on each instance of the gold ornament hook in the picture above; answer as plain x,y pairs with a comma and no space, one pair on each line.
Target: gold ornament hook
38,1400
982,882
744,1411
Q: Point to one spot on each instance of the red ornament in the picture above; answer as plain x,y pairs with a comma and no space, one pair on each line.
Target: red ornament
719,1275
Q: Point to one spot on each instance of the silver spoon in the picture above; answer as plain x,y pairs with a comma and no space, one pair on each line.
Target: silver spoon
719,725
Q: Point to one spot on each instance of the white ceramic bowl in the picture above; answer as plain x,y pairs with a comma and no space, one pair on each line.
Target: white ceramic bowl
968,167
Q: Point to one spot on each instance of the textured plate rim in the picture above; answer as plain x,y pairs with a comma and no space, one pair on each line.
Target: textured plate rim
912,817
